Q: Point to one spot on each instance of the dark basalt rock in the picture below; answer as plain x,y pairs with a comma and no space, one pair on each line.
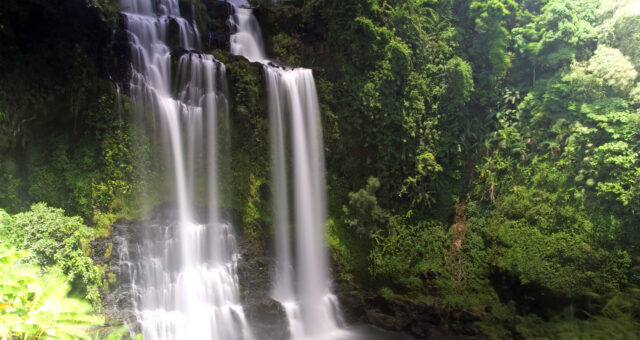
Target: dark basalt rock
118,63
186,10
268,319
219,28
117,58
267,316
420,320
218,10
177,53
265,192
121,21
173,32
384,320
218,40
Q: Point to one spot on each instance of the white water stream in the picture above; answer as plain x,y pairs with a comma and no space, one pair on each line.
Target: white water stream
184,281
302,282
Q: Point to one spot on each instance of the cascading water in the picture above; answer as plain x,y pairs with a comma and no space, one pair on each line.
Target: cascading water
247,40
183,272
312,309
304,291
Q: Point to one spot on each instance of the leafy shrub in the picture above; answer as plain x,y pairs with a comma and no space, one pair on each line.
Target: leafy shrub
363,214
9,191
55,240
406,254
542,240
616,70
35,305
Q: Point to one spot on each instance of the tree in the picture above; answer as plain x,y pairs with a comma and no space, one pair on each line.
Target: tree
489,49
363,214
614,68
565,33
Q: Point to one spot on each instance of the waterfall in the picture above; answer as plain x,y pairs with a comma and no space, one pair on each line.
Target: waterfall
302,282
247,41
306,295
183,271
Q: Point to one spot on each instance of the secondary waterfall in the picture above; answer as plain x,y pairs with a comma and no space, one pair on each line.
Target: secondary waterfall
302,281
183,272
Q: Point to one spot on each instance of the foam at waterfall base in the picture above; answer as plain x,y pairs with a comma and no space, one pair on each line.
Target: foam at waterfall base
194,301
357,332
330,312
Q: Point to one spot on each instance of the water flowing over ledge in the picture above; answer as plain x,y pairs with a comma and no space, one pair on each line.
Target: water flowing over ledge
183,272
302,282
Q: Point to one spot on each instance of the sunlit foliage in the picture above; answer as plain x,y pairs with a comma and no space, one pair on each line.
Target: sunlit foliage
34,305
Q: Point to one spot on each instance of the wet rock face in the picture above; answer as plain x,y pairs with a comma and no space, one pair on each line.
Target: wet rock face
217,40
268,319
266,316
218,28
218,10
421,320
117,302
117,58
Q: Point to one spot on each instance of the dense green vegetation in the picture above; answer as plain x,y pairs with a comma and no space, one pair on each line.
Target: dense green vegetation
55,240
481,154
500,142
36,306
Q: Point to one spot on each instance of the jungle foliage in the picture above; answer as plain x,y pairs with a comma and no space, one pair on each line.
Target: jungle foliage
55,240
36,306
524,113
